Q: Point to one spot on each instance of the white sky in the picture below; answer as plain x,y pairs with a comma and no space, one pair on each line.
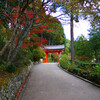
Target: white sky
79,28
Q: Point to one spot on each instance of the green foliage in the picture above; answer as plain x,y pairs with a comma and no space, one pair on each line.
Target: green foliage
83,64
68,45
87,72
11,68
96,71
5,77
66,51
2,43
94,35
22,58
95,24
83,51
55,57
38,53
50,59
64,61
76,70
2,67
90,71
95,45
95,41
56,36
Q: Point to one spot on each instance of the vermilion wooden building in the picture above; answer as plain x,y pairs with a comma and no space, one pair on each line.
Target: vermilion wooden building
53,49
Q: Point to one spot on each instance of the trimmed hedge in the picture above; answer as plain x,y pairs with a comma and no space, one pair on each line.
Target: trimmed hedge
90,71
81,63
92,74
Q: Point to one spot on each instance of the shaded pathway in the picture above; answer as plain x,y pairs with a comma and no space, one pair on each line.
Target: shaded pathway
48,82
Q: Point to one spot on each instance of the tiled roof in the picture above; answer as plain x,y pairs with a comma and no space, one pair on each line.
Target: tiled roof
54,47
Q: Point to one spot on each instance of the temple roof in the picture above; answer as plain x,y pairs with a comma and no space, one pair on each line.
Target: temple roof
54,47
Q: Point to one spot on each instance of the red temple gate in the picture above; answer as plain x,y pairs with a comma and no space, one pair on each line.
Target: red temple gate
53,49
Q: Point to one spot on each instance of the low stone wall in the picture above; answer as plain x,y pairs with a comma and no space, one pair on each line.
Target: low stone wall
9,91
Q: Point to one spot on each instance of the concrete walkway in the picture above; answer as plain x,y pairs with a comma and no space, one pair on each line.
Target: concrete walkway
48,82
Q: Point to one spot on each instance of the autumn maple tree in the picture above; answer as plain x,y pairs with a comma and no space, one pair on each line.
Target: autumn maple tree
23,18
25,23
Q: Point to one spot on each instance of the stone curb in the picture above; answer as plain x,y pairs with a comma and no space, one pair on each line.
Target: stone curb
21,87
23,84
79,77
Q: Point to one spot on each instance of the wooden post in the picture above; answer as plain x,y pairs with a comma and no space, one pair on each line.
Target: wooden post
58,56
46,57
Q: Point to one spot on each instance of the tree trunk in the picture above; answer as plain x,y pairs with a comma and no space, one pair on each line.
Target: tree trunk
8,43
41,38
6,4
4,48
23,35
72,37
12,44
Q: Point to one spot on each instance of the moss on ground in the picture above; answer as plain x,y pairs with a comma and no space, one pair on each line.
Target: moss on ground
5,76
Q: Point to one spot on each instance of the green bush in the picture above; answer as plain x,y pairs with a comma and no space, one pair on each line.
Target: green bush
11,68
50,59
21,58
64,61
38,53
83,50
95,74
76,70
2,67
90,71
96,71
55,58
82,64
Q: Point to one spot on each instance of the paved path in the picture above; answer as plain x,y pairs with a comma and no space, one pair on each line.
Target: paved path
48,82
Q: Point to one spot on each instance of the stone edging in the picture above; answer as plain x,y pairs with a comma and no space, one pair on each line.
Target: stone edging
8,91
21,87
79,77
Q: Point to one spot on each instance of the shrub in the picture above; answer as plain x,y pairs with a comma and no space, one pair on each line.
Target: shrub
89,72
76,70
50,59
95,74
83,58
21,58
2,67
83,50
55,57
38,53
11,68
64,61
96,71
82,64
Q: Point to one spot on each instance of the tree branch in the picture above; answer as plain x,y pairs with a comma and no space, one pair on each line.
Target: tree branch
37,25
